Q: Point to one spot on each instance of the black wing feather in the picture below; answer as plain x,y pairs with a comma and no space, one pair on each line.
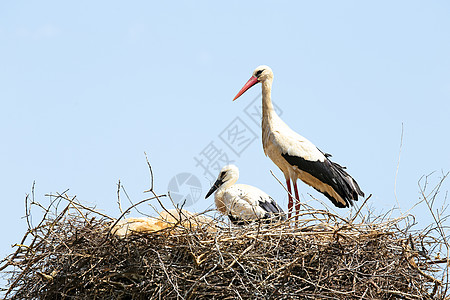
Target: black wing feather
272,208
274,213
331,174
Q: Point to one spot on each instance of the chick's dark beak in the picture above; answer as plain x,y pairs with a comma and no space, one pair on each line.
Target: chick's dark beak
215,186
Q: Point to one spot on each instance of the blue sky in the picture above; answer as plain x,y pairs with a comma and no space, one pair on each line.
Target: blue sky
88,87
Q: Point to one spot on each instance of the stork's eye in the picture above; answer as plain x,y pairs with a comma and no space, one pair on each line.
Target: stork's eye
222,174
259,73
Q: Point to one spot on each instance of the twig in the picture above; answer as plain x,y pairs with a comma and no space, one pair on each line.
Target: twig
359,209
151,174
129,208
118,197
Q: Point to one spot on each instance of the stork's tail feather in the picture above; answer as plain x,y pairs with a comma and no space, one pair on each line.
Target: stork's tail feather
351,189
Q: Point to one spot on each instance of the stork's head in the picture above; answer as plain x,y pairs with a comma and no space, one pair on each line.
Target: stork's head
227,176
261,73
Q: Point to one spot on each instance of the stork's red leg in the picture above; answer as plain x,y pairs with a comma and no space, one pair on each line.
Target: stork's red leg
290,203
297,201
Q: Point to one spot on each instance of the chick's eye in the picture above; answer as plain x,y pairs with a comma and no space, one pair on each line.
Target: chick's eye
222,175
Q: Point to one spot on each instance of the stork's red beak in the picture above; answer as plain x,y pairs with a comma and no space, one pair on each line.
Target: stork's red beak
251,82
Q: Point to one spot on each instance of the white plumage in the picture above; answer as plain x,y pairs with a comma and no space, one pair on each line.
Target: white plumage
165,219
297,157
243,203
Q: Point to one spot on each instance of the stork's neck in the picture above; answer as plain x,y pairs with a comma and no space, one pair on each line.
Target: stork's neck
267,107
268,114
221,190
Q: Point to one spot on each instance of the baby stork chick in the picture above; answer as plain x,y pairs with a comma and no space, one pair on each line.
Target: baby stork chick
243,203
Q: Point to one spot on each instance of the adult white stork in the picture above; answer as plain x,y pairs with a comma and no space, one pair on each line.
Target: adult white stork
297,157
243,203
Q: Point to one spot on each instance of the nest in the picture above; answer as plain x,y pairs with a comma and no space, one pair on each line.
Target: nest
73,254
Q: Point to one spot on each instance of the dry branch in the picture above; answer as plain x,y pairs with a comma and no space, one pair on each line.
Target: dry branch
71,254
